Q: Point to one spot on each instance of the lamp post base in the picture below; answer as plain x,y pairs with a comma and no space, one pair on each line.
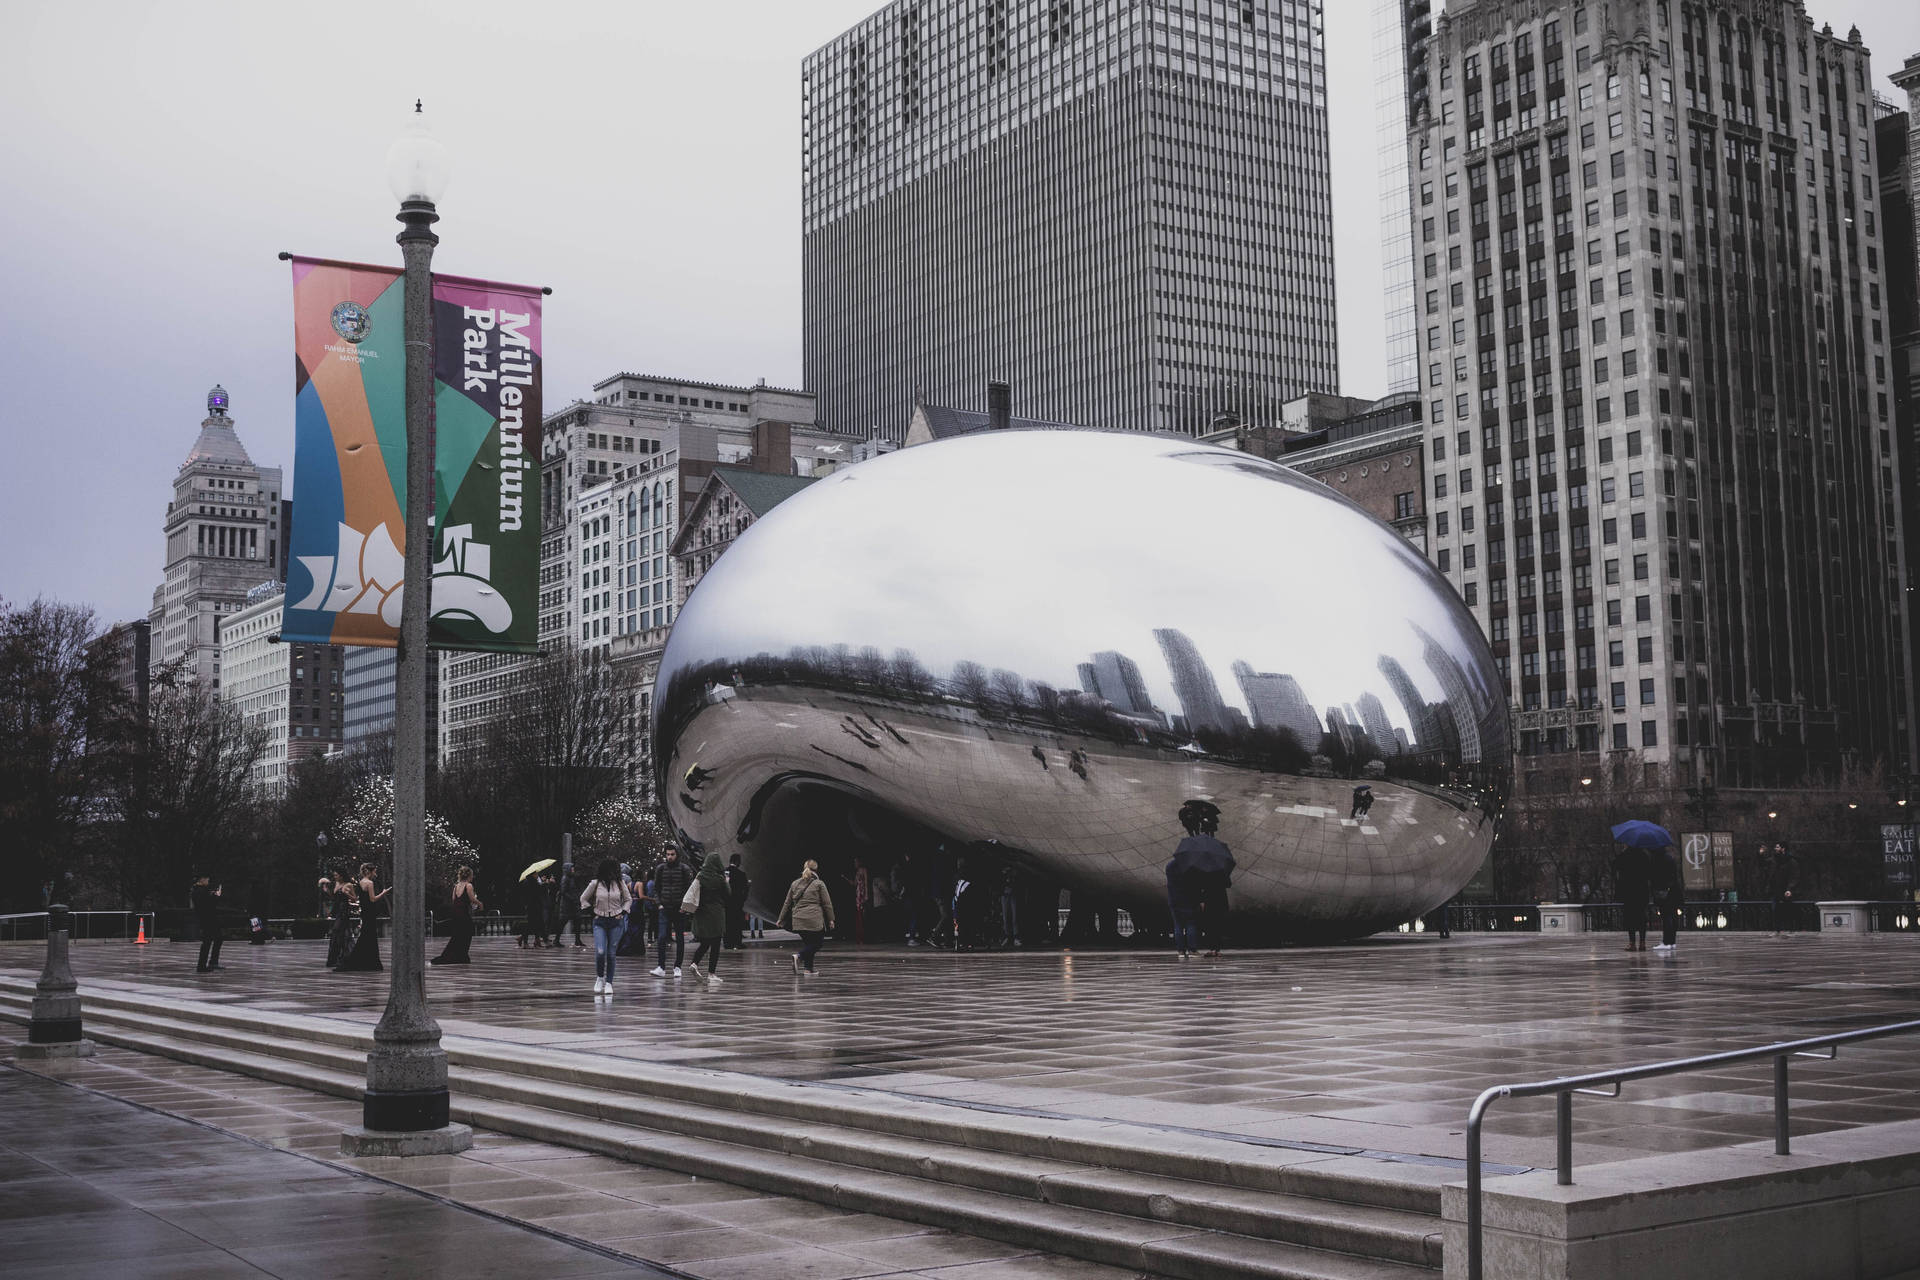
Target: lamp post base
447,1140
57,1049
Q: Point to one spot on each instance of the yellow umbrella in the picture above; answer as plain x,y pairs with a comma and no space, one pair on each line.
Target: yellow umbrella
539,866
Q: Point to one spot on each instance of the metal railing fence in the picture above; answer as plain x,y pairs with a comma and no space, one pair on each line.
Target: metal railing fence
1595,1083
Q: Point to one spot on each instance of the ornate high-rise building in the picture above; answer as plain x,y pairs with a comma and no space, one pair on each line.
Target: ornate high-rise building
1655,350
225,535
1122,210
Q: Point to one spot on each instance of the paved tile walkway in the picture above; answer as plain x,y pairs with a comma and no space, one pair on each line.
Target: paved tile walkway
89,1183
92,1186
1377,1046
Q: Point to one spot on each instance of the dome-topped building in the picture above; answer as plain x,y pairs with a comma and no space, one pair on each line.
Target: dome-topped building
226,534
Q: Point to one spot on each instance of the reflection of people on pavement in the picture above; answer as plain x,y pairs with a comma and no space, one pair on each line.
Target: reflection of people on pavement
1041,756
1362,801
697,777
1077,761
692,804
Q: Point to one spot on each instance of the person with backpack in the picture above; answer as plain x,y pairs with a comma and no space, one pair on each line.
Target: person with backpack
808,911
710,919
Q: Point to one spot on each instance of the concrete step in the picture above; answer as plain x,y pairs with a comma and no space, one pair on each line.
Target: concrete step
1407,1186
1173,1226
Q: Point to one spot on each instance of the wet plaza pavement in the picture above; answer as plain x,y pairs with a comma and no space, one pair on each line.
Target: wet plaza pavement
90,1186
1378,1046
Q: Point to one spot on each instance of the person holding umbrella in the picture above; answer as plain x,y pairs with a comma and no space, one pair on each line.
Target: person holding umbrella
1634,872
533,902
1206,865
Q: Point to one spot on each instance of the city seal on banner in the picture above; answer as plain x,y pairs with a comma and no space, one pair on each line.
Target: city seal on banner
352,322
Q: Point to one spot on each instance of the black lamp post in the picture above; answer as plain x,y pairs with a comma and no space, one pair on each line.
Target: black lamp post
405,1111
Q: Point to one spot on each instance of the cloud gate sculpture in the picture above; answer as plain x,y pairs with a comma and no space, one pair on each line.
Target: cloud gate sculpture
1027,649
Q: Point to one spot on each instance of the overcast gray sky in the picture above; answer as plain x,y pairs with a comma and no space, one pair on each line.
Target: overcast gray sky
640,156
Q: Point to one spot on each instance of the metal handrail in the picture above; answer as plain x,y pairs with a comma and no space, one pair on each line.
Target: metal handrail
1593,1082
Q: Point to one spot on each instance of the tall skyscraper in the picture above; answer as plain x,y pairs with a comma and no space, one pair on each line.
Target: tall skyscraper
224,537
1655,360
1898,137
1122,210
1401,30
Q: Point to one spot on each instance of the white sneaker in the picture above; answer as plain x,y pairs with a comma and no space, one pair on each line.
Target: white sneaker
676,971
696,972
714,979
609,988
658,972
599,985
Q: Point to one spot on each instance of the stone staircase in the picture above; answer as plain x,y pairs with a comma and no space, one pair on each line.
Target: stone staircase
1168,1202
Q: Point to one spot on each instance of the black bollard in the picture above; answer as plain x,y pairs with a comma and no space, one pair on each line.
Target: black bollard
55,1029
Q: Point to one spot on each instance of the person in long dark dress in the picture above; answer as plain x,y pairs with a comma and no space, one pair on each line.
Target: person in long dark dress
465,903
339,911
365,955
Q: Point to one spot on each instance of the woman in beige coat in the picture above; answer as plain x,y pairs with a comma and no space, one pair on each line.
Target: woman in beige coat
808,911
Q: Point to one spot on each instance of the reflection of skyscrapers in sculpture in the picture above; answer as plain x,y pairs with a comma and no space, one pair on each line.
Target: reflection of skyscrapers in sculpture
1458,696
1341,729
1277,702
1116,677
1427,735
1193,685
1373,718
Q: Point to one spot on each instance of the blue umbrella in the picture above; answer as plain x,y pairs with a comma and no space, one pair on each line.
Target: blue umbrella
1642,835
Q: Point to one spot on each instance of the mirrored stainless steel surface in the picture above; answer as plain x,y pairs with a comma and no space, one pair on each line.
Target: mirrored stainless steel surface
1029,648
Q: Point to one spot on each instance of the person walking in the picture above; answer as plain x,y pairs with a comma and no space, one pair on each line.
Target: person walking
533,914
1633,872
606,900
1211,865
466,903
1010,888
910,889
808,911
737,888
1783,877
365,955
710,919
1669,896
671,880
1183,901
206,914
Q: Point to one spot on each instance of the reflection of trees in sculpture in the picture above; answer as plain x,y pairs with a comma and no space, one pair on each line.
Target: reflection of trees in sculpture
969,682
910,676
1009,691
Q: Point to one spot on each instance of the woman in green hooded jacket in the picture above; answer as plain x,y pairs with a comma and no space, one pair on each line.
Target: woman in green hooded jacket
710,918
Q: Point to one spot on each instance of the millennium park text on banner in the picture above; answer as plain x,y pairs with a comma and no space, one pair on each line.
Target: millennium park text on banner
346,564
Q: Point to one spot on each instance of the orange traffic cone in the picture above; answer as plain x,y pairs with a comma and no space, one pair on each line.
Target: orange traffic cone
142,939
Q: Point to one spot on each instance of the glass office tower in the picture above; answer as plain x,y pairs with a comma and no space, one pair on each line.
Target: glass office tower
1121,209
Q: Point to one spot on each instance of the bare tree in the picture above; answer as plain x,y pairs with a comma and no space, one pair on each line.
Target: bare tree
549,756
185,786
62,716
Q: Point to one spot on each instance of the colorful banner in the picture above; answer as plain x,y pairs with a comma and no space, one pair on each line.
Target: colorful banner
346,562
